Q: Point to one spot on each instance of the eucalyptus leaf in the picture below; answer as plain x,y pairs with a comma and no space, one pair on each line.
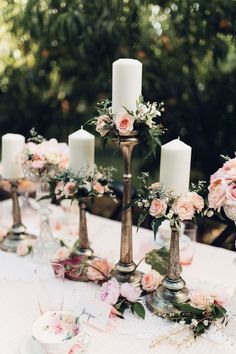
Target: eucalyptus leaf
138,309
158,259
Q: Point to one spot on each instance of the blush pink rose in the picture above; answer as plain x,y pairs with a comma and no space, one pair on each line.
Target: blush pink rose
151,280
183,207
101,125
124,123
217,193
69,188
230,164
220,173
98,188
158,208
61,254
197,200
38,161
231,193
130,292
99,270
231,174
110,292
199,299
230,211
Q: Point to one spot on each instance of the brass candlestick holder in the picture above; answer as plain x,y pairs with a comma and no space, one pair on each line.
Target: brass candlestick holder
125,270
83,248
17,232
173,286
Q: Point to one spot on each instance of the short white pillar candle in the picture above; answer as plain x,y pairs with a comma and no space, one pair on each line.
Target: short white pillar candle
12,148
81,151
175,166
126,84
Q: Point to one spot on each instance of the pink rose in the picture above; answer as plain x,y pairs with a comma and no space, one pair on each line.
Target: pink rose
220,173
217,193
101,125
76,349
64,163
151,280
59,189
61,254
124,123
110,292
130,292
230,211
197,200
158,208
232,174
69,188
228,165
99,270
38,161
24,247
199,299
98,188
231,193
183,207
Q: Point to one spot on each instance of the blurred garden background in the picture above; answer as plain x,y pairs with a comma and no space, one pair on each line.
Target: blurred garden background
56,58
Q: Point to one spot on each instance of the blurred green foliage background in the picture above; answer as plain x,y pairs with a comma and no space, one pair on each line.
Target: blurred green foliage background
56,58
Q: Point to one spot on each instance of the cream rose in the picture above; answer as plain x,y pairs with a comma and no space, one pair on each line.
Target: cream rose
124,123
217,193
69,188
98,188
101,125
158,208
197,200
99,270
151,280
130,292
183,207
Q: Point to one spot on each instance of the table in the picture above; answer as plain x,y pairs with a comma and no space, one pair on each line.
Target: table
18,305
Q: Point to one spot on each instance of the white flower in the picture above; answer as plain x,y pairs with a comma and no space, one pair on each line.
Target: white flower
205,322
146,203
194,322
139,204
210,213
182,322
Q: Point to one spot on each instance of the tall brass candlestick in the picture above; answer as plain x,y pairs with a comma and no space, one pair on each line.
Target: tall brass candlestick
125,268
83,248
173,286
17,231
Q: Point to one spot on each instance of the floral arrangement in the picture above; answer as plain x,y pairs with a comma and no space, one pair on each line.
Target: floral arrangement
222,189
143,121
67,185
44,157
165,205
200,313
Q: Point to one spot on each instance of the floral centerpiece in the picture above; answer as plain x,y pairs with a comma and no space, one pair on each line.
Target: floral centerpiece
222,189
162,204
143,121
68,185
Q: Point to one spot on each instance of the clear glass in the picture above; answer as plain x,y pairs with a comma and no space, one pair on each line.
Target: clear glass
187,243
50,286
47,244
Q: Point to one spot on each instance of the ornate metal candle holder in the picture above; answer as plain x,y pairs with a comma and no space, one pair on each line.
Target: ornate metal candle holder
173,286
83,248
17,232
125,270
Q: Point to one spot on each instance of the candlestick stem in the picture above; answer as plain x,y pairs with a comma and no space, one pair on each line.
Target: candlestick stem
173,286
17,232
84,245
125,268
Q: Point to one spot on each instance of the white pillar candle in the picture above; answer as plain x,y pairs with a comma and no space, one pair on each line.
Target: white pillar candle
175,166
81,151
126,84
12,148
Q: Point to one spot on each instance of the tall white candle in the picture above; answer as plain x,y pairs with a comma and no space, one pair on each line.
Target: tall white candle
126,84
81,151
175,166
12,148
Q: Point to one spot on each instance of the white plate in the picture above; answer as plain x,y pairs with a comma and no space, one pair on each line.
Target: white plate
31,346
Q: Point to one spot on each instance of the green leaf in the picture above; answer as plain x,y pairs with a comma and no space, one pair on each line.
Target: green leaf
158,259
199,329
142,217
62,243
138,308
188,309
218,311
155,225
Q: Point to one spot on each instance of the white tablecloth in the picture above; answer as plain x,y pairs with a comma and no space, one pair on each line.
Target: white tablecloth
18,304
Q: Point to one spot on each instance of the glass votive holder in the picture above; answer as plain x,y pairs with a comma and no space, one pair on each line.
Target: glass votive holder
187,243
50,287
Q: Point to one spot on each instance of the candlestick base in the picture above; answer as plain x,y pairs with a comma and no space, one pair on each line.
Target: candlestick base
126,273
160,302
88,252
14,236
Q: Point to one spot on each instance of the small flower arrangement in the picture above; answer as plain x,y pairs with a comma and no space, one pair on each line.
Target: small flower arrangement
44,157
67,185
200,313
162,204
222,189
143,121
